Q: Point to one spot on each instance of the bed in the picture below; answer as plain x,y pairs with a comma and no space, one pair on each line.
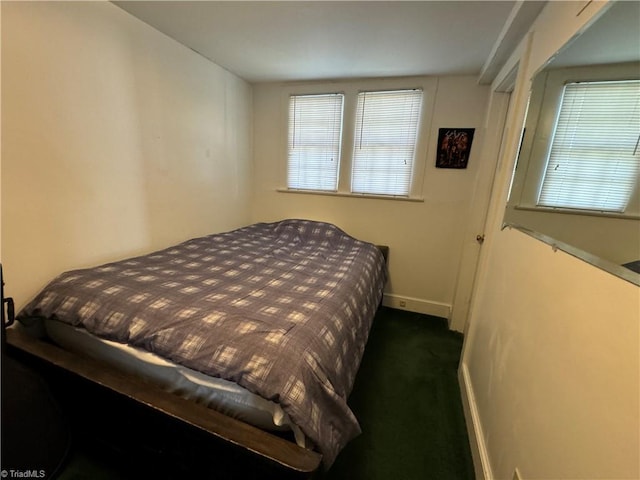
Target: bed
266,324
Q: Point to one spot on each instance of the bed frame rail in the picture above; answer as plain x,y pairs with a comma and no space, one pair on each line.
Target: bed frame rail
296,461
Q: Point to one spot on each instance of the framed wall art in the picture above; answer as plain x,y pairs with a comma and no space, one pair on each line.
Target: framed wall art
454,146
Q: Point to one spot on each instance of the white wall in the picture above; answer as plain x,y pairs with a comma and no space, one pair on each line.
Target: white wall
425,238
116,141
550,370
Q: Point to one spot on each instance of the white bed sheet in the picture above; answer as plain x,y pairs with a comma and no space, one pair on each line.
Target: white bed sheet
222,395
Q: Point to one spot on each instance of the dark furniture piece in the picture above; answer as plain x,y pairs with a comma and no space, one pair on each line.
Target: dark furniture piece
35,434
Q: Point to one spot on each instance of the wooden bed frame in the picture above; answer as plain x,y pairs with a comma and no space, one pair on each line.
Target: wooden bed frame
281,457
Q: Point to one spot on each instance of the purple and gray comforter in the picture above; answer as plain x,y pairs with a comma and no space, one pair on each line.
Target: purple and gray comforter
284,309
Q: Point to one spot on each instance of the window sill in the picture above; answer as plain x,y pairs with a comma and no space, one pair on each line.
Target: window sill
351,195
572,211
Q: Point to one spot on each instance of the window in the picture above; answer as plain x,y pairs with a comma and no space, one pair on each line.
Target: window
385,141
594,160
315,134
367,140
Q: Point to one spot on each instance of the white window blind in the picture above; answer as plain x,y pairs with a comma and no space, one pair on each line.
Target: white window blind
315,134
594,160
385,140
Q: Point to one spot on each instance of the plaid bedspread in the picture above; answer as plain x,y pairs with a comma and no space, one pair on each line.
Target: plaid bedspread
283,309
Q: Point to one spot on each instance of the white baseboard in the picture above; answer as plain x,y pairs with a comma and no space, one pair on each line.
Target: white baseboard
481,463
417,305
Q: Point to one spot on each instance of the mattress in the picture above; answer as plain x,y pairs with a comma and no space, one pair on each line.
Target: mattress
221,395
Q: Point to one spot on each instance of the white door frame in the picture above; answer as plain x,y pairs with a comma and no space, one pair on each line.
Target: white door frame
494,134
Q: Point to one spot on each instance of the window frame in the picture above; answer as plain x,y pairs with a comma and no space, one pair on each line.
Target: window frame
339,145
350,90
368,152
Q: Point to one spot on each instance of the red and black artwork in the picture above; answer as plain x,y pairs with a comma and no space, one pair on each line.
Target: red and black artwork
454,145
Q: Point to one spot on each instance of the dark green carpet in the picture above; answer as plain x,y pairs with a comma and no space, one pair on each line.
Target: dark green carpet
407,400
